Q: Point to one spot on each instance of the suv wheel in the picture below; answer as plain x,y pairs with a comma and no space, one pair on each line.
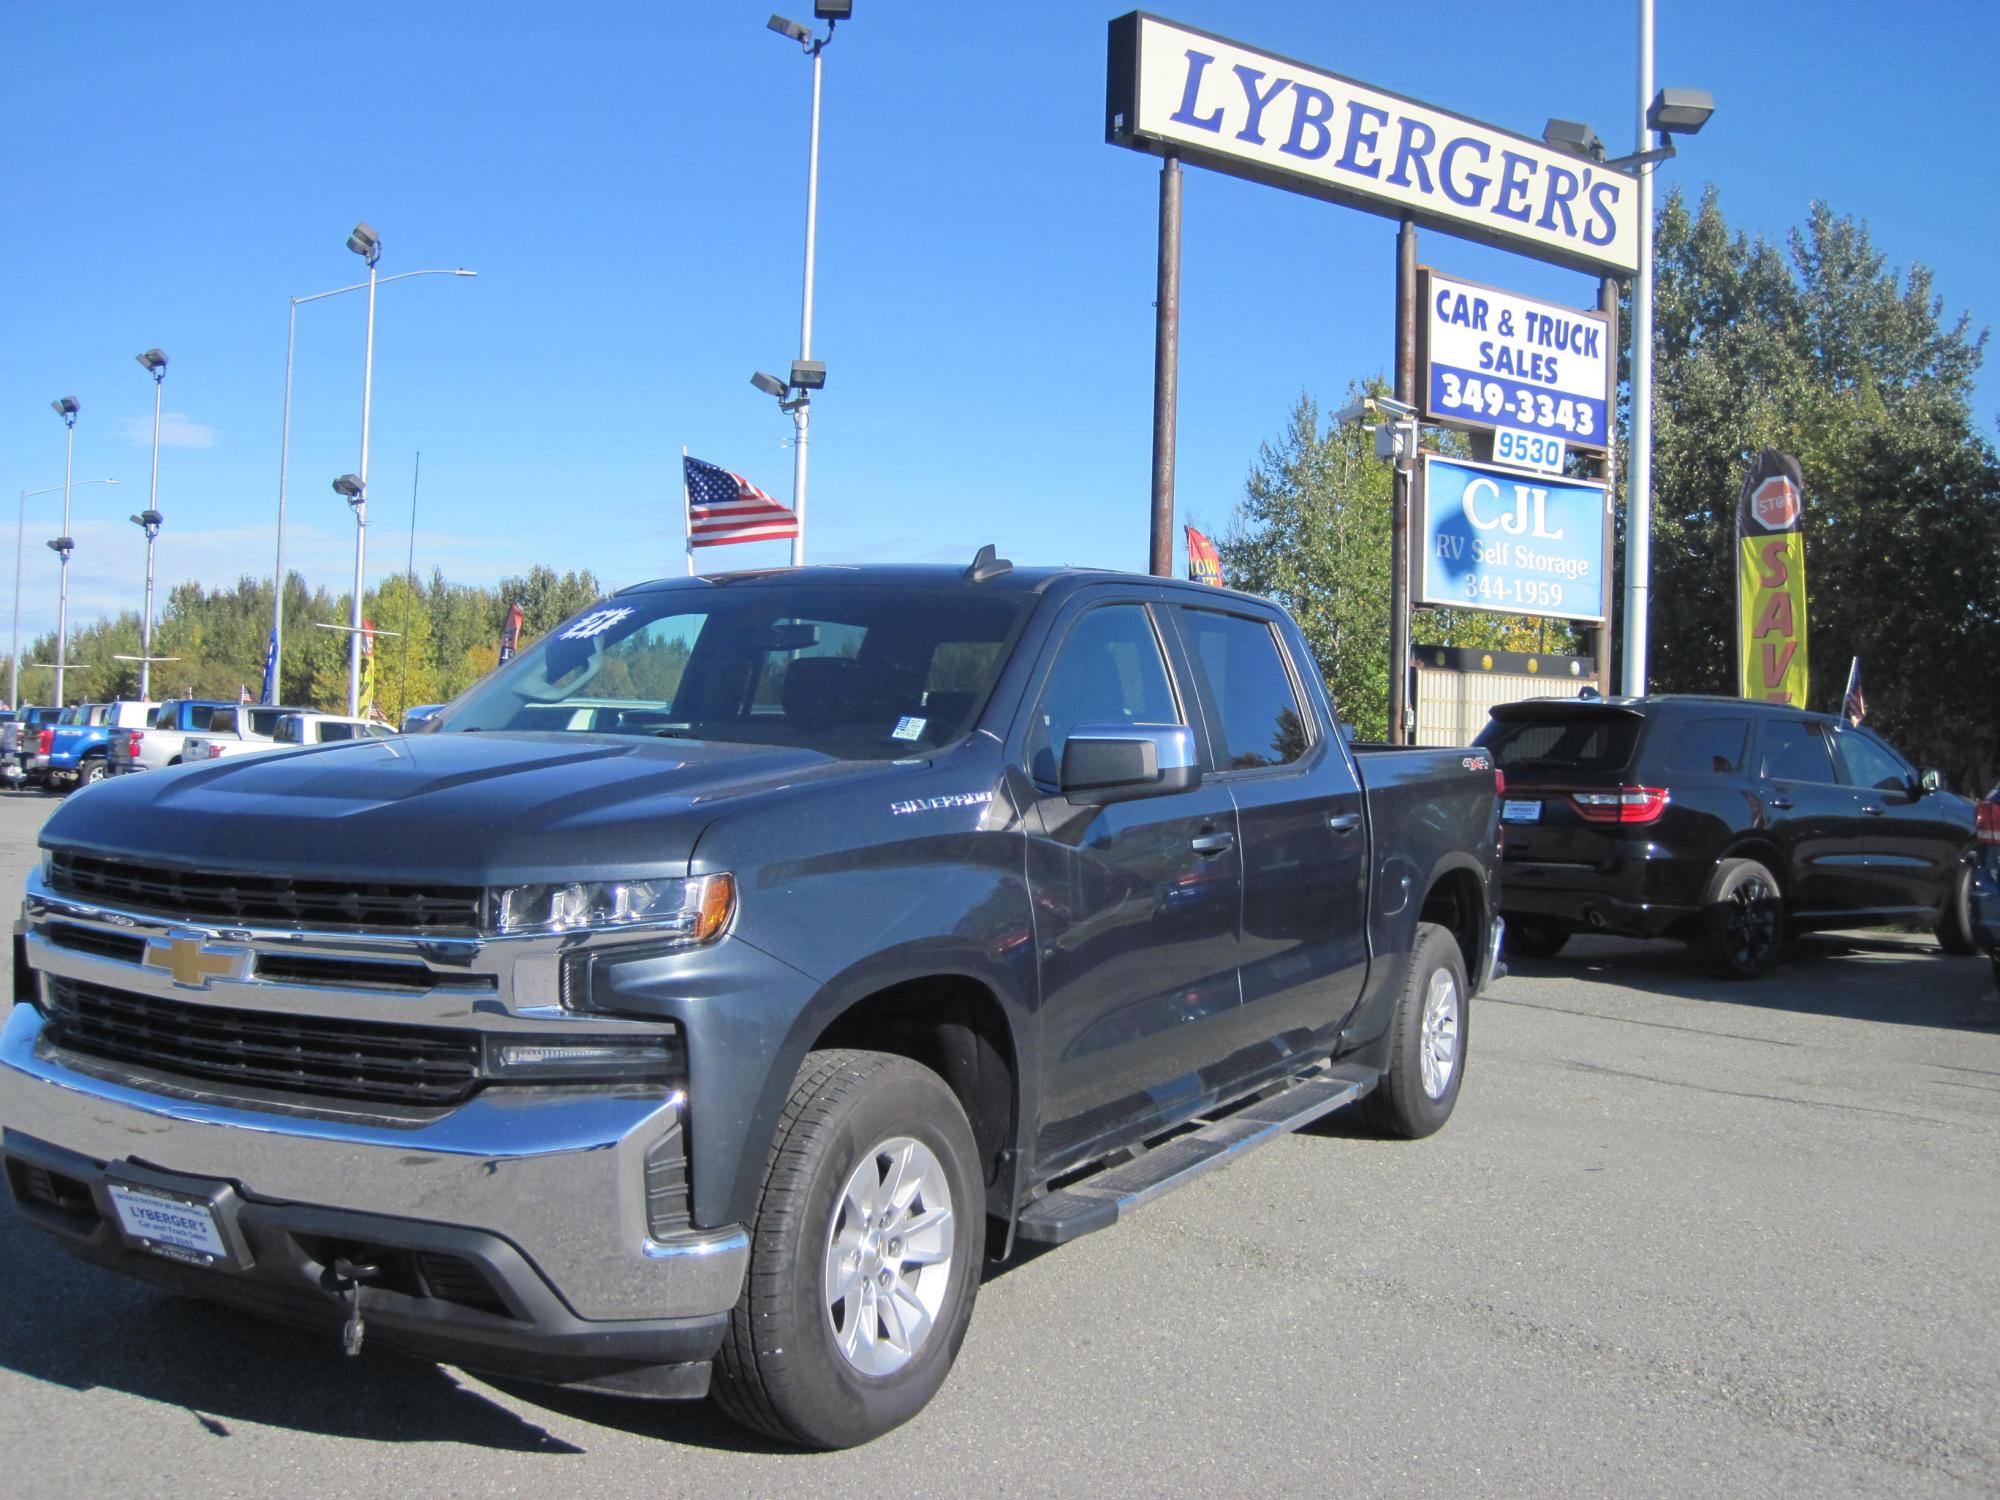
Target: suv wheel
864,1258
1427,1049
1742,921
1954,928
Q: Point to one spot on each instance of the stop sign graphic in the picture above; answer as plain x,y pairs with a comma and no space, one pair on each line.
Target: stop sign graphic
1776,503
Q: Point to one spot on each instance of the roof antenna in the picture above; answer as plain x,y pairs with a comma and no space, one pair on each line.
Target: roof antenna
986,566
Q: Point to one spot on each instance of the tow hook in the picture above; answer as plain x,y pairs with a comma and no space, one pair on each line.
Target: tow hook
347,1277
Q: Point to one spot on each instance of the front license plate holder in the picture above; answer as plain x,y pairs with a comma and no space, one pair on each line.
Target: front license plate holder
194,1225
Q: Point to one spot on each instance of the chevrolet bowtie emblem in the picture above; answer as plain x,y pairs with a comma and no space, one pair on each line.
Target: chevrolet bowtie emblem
192,962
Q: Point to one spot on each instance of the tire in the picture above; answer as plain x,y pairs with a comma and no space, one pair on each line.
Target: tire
1427,1049
856,1123
1741,928
93,771
1529,937
1954,928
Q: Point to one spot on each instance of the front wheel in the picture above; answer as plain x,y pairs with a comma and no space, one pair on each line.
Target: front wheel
1427,1045
1954,928
864,1257
1741,926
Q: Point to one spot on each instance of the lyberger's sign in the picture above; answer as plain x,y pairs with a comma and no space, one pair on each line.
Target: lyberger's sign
1771,581
1174,91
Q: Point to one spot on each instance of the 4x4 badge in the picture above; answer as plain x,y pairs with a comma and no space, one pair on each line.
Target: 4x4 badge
192,961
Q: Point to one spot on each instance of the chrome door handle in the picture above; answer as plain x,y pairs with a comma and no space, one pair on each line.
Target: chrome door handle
1873,812
1344,822
1781,804
1214,843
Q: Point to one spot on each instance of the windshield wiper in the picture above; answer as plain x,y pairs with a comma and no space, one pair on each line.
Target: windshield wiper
672,734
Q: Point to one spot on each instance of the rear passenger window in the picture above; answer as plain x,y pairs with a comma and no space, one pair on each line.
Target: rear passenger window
1247,686
1704,747
1794,750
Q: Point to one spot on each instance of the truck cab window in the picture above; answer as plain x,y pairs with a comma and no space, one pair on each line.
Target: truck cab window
1109,671
1247,688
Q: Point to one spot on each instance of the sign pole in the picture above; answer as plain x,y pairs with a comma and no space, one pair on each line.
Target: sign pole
1166,370
1607,303
1399,524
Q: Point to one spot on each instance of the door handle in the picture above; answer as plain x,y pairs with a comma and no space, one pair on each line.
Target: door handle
1214,843
1783,804
1344,822
1873,812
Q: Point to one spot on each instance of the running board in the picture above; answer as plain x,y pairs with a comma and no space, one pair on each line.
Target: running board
1097,1202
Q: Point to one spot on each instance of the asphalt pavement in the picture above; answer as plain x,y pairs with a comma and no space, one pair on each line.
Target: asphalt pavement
1682,1237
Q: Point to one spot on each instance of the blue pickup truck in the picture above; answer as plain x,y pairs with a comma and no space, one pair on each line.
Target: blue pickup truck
715,987
75,750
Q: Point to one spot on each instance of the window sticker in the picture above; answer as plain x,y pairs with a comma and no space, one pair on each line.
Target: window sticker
909,727
595,623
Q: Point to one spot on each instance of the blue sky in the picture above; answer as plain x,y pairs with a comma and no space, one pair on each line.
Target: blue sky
628,180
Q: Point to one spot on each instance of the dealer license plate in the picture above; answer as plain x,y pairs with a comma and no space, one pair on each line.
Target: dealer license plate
175,1225
1516,810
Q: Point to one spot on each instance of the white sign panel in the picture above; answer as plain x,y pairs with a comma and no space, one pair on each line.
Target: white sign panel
1172,90
1493,359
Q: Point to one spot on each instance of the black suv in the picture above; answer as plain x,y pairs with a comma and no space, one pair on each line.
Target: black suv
1724,821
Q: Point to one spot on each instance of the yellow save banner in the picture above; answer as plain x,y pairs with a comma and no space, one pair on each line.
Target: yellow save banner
1772,661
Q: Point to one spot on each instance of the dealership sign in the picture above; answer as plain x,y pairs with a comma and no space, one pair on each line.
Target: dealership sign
1174,91
1517,544
1490,359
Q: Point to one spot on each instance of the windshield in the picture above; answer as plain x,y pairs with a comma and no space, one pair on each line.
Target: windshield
859,673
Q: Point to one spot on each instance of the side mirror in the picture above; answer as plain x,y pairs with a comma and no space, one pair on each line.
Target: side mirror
1930,781
1122,762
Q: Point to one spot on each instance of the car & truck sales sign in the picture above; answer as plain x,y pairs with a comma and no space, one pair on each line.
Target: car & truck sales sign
1518,544
1173,91
1492,359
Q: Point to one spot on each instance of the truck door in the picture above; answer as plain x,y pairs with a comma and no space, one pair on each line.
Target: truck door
1304,949
1136,903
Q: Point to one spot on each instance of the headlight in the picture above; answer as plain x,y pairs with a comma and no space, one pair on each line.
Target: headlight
688,911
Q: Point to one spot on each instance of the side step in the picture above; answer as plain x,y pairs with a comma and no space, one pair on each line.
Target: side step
1098,1201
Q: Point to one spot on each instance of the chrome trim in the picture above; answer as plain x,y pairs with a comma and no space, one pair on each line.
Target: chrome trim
560,1173
1489,961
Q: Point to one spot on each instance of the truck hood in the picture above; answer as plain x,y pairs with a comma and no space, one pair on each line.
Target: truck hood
469,809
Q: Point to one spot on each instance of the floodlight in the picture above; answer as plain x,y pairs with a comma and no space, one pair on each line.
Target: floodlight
63,544
792,29
366,243
348,487
770,385
833,10
1574,138
67,409
155,360
1679,111
808,375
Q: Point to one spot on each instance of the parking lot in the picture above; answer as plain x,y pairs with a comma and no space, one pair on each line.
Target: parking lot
1681,1237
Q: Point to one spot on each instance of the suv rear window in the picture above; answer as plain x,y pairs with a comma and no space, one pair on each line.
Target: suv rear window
1593,744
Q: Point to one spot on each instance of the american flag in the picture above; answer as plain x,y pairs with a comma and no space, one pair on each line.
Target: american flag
725,507
1855,705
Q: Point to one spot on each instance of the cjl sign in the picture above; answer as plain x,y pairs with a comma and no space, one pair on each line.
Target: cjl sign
1513,543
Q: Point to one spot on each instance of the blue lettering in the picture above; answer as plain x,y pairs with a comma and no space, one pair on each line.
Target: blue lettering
1514,174
1313,110
1410,154
1197,64
1257,101
1563,186
1474,187
1589,349
1602,193
1359,140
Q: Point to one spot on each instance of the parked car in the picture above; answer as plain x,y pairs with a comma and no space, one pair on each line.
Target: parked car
1724,821
164,741
1986,881
20,739
75,750
945,892
290,728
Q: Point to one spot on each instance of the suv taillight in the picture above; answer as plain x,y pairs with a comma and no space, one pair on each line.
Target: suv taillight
1987,817
45,742
1625,804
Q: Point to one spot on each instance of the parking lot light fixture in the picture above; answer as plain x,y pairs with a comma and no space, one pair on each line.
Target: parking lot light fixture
20,536
67,408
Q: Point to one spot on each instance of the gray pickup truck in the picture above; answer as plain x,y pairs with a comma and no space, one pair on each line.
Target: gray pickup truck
728,977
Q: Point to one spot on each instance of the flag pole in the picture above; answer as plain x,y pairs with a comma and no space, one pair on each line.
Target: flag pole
687,510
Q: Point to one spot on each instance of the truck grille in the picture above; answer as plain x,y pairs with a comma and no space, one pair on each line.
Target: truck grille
353,1059
272,900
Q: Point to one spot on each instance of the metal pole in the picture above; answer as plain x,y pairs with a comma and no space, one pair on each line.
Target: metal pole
1639,485
284,463
152,504
361,509
1166,370
1607,303
62,606
802,410
1399,522
14,666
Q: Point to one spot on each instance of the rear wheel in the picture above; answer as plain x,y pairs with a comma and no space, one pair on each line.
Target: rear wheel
1954,928
1741,927
93,771
1427,1049
1529,938
864,1258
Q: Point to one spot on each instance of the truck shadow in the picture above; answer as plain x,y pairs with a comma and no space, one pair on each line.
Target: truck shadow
1904,979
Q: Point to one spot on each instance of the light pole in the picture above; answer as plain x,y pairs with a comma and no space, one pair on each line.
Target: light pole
351,488
63,546
285,447
365,243
20,533
832,12
155,363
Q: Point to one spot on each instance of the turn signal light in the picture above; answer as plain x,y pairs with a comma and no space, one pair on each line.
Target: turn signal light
1987,819
1626,804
